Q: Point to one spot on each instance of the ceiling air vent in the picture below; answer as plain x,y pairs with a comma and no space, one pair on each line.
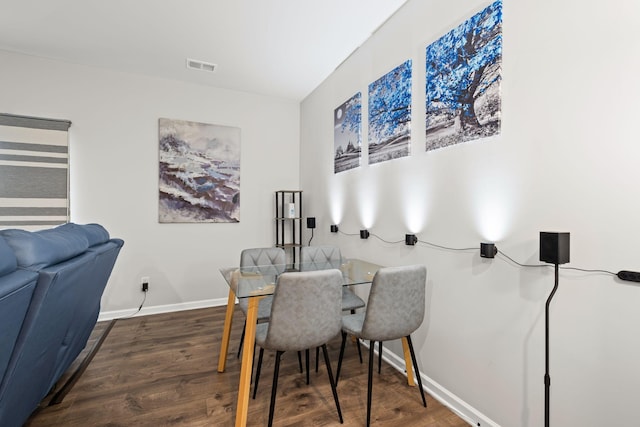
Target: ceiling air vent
194,64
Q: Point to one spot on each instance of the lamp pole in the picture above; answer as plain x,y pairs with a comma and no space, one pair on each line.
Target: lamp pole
554,249
547,378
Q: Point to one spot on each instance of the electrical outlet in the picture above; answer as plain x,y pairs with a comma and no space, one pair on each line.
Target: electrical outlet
145,283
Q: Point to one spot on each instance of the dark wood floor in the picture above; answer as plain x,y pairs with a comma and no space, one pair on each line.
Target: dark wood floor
161,370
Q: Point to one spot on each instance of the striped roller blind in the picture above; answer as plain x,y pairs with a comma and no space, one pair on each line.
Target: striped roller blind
34,172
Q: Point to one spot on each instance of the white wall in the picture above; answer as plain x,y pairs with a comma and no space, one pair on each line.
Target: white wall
566,161
114,170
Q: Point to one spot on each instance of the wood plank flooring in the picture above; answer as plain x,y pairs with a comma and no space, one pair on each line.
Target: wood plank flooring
161,370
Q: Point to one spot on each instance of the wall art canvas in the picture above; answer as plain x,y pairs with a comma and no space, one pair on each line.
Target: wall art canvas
199,172
347,140
463,78
390,115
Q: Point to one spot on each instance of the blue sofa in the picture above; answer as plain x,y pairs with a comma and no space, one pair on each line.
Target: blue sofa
51,283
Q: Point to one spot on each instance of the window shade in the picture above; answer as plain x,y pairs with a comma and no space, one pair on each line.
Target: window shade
34,172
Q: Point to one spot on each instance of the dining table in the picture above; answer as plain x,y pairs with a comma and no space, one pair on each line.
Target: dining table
256,282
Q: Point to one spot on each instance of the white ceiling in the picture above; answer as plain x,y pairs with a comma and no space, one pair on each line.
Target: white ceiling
282,48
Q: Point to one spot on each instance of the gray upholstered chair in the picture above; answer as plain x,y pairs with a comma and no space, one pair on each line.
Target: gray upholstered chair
321,257
306,312
269,261
395,309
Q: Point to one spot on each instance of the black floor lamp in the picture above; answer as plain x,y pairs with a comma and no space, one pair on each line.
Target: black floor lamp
554,249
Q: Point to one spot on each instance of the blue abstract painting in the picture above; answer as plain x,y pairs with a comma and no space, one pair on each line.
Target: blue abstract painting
199,172
463,78
347,139
390,115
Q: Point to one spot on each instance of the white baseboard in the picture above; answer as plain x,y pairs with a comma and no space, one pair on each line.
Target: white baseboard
158,309
441,394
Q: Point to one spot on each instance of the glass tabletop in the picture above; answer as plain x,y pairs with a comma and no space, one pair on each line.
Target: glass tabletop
261,280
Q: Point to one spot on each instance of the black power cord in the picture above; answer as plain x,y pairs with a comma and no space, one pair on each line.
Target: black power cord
144,298
623,275
446,247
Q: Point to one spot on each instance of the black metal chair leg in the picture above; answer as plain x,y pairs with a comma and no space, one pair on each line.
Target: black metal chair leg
331,381
379,356
317,357
274,387
370,381
244,328
253,360
255,386
306,362
300,361
344,341
415,367
353,311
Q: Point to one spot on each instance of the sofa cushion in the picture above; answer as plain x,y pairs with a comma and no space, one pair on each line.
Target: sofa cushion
8,261
95,233
39,249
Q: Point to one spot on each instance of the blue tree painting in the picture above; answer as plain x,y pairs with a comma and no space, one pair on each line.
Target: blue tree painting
463,77
347,141
390,115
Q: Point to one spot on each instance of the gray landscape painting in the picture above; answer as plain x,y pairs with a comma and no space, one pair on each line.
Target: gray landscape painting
199,172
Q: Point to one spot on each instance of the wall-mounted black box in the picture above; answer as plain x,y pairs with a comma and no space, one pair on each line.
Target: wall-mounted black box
554,247
311,222
488,250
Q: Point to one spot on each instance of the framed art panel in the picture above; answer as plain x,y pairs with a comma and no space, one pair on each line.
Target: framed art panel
390,115
347,140
199,172
463,76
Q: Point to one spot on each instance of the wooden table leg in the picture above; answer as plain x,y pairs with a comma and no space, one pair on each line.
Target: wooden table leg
226,334
247,362
407,362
